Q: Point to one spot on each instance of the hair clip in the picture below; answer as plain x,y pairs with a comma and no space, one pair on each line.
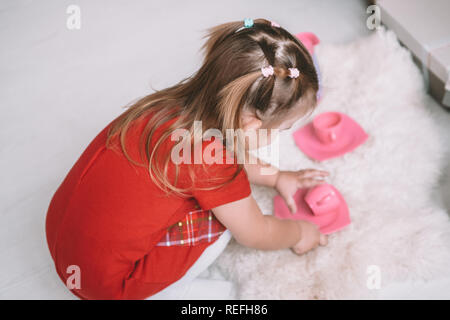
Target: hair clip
274,24
267,71
293,72
248,22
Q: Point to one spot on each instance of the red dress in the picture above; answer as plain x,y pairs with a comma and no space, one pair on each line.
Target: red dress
111,221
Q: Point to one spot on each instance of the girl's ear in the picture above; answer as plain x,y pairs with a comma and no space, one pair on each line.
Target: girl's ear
250,121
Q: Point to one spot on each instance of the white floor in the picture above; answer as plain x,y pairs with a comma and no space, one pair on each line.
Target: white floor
59,87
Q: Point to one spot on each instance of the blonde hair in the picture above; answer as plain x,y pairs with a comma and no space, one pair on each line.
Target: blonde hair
228,81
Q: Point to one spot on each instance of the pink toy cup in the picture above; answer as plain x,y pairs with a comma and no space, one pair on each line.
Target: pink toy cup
309,40
328,126
322,199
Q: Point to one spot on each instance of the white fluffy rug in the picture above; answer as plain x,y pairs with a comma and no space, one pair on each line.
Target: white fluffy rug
388,183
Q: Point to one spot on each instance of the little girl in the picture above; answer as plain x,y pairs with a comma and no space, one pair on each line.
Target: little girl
128,221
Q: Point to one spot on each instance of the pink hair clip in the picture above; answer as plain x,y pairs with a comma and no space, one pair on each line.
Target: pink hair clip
293,72
274,24
267,71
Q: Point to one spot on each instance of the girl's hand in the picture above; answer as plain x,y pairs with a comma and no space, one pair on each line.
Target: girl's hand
288,182
310,238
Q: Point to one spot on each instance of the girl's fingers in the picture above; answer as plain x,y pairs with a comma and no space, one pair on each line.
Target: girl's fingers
310,178
308,183
323,240
309,173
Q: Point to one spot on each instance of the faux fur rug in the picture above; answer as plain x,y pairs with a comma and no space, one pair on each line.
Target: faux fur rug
388,183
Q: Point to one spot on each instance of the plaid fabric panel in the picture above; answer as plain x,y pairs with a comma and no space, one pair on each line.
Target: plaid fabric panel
198,226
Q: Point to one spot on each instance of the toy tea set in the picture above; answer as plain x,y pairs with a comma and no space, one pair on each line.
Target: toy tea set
329,135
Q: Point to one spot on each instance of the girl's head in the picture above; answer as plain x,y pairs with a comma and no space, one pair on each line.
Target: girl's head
243,97
229,91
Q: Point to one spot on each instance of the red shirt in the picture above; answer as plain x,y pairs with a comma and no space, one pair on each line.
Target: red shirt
107,217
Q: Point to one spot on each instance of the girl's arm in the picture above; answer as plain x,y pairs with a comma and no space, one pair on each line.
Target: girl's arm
252,229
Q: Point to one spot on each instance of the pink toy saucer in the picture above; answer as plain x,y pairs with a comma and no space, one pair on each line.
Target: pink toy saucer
322,205
329,135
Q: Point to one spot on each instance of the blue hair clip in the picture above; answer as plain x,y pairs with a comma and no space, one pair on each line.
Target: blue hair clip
248,23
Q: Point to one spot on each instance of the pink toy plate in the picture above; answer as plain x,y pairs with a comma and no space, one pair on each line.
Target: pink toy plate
331,220
329,135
